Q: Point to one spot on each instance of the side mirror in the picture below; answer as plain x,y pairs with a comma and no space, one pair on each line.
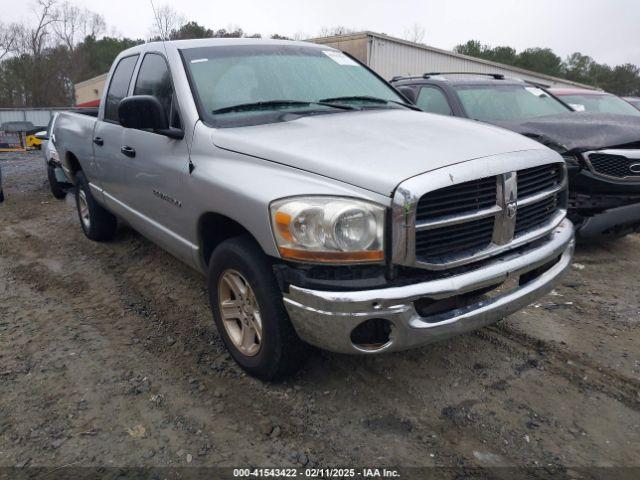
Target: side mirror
42,135
408,92
142,112
145,112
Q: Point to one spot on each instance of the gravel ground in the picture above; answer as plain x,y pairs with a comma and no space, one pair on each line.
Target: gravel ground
109,357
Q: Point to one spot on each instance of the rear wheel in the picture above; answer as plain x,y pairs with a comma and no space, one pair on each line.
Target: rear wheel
97,223
249,313
56,187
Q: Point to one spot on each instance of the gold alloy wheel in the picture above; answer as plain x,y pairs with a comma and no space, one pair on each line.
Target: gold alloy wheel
84,209
240,313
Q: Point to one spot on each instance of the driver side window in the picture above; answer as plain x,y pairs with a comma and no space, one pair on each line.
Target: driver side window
154,79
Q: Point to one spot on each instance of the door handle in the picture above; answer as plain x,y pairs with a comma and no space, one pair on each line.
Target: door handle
128,151
98,141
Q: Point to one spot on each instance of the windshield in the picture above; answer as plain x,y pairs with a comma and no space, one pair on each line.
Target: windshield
604,103
267,79
507,102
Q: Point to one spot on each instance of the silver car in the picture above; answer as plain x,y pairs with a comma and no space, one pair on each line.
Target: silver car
322,208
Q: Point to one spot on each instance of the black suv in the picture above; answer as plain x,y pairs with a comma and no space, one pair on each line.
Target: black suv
602,151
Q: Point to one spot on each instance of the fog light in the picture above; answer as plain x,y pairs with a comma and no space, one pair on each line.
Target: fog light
371,335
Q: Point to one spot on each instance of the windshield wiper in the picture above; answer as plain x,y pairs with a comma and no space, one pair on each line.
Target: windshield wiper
367,98
277,103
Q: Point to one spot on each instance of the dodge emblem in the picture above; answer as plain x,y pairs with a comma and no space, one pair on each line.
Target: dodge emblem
511,209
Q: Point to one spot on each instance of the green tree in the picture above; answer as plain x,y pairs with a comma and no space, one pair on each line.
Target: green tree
622,79
625,80
223,33
191,30
473,48
578,67
97,55
277,36
501,54
506,55
541,60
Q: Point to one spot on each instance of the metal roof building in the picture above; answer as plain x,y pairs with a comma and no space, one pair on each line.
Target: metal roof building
390,56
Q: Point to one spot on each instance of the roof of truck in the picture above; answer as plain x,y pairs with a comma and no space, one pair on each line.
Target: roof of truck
220,42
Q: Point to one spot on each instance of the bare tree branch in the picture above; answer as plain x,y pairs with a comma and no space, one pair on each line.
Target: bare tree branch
8,39
74,24
32,40
300,35
415,33
68,23
166,20
94,25
336,31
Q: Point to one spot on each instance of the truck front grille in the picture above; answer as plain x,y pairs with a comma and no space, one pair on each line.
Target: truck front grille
458,199
456,224
536,179
463,237
536,214
615,165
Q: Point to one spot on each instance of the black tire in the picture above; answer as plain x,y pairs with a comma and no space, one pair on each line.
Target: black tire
100,224
56,187
1,195
281,352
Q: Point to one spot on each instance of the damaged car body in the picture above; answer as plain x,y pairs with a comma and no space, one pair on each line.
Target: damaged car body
602,150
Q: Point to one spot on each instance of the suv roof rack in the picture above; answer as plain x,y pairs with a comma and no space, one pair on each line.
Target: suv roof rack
496,76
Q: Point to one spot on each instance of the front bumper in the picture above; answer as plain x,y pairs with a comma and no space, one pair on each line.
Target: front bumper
327,319
585,182
612,222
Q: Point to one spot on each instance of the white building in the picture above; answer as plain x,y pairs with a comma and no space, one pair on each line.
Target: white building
389,56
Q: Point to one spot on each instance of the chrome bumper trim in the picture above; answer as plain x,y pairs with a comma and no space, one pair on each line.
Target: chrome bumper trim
326,319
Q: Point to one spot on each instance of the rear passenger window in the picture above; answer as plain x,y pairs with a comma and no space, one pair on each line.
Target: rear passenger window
433,100
154,79
118,87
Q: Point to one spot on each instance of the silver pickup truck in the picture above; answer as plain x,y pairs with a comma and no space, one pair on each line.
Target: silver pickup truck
321,206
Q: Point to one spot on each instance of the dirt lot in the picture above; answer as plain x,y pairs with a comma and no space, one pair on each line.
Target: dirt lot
109,357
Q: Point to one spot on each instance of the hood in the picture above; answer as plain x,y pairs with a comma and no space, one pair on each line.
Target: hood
372,149
579,131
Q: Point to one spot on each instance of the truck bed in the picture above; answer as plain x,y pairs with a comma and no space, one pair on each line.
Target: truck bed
73,134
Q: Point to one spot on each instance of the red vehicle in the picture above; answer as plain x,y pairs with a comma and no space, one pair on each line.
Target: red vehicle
583,100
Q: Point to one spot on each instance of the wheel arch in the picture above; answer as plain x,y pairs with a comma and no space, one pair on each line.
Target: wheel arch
72,165
213,229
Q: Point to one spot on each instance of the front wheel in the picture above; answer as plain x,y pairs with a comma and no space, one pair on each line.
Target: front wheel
248,311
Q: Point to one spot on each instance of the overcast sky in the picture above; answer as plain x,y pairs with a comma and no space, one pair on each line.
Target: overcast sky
607,30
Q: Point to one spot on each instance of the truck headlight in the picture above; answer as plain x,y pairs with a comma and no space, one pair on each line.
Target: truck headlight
328,229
